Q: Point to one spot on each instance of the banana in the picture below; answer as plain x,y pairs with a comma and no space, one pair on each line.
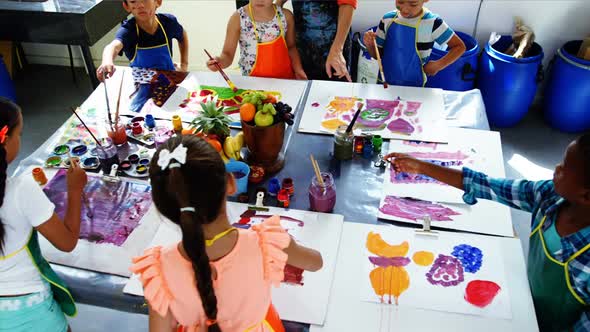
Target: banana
223,157
233,145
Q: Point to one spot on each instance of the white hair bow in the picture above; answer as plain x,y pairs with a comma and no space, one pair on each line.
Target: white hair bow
165,157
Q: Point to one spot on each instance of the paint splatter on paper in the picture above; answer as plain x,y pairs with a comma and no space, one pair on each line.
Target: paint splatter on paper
481,293
112,212
470,257
415,209
293,275
423,258
421,144
446,271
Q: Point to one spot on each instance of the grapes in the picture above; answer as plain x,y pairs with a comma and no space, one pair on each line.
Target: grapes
284,113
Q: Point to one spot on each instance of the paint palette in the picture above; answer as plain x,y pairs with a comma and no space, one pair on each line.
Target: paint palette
137,164
83,151
139,131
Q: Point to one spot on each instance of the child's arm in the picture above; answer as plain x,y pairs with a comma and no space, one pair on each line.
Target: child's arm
159,323
456,49
64,235
303,257
229,47
520,194
369,39
183,46
291,45
109,54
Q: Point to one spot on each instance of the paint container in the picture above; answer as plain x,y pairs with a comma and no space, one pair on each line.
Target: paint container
117,132
144,161
177,123
125,165
239,167
133,158
358,144
322,198
39,176
368,148
377,143
283,198
79,150
68,161
149,121
91,162
274,186
61,150
288,185
136,129
141,169
107,154
53,161
162,135
343,143
256,174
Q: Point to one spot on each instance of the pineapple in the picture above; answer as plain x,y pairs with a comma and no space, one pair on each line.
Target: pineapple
212,121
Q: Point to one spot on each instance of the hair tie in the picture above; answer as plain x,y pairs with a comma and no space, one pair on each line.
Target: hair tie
174,165
188,209
165,157
210,322
3,133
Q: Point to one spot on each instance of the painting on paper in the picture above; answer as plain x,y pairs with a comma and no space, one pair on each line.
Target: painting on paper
110,211
436,274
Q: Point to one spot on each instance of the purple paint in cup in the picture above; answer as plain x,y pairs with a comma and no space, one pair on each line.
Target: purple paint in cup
322,198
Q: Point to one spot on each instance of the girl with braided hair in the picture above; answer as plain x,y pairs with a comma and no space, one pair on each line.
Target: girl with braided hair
218,278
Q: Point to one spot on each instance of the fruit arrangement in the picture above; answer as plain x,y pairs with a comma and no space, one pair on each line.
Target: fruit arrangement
263,110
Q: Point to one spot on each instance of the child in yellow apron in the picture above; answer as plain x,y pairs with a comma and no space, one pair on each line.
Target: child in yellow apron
559,259
266,37
32,296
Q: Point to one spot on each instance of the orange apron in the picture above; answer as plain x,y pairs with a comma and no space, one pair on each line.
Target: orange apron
272,58
272,321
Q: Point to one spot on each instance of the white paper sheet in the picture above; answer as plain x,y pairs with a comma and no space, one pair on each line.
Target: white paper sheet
349,313
428,123
477,149
104,257
320,231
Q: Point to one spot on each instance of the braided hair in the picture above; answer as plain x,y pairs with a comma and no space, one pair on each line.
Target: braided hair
9,117
199,183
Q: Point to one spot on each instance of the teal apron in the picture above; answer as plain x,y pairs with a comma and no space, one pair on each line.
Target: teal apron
61,294
557,304
154,57
401,61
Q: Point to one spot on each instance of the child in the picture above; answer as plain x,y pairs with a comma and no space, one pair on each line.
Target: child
233,269
266,34
404,51
146,40
559,259
30,291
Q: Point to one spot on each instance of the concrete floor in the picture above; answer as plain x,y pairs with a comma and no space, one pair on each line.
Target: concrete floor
46,93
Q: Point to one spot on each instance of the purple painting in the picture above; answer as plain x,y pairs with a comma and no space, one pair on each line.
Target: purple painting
415,209
110,212
445,271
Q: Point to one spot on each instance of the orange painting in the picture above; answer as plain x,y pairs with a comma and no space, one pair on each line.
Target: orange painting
423,258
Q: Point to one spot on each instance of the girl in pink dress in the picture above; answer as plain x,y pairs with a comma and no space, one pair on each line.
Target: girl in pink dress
218,278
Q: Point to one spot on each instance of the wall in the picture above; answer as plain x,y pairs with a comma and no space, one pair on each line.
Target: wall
554,22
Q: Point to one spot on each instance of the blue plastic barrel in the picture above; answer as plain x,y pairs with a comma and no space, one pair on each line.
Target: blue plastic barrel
460,76
567,98
6,86
508,85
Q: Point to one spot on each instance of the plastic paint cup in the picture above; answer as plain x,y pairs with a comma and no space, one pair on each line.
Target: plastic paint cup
239,167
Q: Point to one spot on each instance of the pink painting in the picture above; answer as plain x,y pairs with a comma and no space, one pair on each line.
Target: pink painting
110,212
415,209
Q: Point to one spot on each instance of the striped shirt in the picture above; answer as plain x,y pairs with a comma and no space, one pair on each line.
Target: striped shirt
432,29
539,198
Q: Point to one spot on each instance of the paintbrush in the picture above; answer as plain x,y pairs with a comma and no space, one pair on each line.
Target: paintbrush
106,95
356,115
380,63
85,126
119,100
318,173
85,200
225,77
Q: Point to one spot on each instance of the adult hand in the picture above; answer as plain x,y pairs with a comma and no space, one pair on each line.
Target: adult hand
76,177
211,64
336,62
300,75
105,70
432,68
180,67
404,163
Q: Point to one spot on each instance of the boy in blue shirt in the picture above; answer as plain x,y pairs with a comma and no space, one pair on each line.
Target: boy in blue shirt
405,38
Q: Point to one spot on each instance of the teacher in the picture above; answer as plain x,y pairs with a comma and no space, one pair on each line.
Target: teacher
323,36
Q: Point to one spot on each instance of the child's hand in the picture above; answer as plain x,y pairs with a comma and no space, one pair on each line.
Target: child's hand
211,64
369,39
76,177
300,75
404,163
107,70
432,68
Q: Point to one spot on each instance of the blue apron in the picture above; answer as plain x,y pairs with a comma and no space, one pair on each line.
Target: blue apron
401,61
154,57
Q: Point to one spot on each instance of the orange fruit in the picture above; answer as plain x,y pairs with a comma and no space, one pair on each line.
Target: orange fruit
215,144
270,99
247,112
188,131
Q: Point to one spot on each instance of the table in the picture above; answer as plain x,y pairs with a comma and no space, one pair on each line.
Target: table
465,109
69,22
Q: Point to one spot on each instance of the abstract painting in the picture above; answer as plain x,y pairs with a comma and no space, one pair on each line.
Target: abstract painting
110,211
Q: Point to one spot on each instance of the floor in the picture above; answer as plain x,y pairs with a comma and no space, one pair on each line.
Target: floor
46,93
